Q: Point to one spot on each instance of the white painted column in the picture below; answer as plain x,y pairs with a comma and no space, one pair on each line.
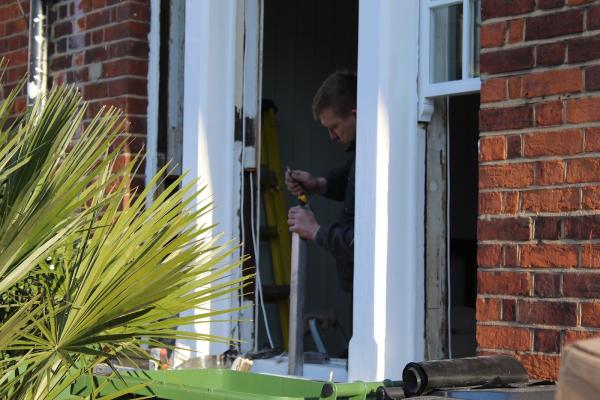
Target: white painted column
389,256
208,132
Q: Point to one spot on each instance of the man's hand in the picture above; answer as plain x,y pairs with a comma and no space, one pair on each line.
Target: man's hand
301,182
303,222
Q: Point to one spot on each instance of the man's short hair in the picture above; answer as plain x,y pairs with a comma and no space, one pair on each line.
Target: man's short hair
337,92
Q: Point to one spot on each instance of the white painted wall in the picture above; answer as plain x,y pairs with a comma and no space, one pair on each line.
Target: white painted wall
208,133
388,277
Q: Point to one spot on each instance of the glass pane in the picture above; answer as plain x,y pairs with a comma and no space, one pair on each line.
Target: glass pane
446,43
475,31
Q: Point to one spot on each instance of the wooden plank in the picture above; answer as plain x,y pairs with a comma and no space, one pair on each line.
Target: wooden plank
297,285
436,244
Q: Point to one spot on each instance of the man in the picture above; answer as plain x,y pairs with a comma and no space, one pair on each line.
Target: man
334,106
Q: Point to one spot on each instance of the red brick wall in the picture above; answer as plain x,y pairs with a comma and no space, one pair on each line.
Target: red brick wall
539,179
101,46
14,37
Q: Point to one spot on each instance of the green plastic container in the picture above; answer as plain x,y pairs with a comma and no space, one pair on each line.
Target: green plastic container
223,384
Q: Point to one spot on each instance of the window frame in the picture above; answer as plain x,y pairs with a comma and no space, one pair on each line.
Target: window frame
427,89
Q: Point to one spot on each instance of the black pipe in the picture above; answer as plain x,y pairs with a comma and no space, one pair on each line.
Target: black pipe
500,370
38,50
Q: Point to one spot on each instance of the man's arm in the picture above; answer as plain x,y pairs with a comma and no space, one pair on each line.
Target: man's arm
337,181
338,239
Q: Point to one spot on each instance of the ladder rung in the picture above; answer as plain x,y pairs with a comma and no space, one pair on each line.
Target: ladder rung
276,293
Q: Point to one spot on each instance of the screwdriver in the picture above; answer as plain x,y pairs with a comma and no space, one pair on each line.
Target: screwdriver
303,199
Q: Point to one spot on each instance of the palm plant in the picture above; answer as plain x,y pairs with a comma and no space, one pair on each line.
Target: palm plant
109,276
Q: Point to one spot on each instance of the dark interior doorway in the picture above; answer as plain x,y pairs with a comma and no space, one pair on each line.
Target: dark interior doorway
303,42
463,135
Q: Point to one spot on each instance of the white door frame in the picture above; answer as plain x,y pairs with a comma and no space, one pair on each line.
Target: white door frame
208,137
389,253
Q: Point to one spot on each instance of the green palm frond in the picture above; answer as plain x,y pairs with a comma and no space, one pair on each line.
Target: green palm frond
109,277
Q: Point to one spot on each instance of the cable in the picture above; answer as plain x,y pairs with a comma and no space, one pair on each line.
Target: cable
258,281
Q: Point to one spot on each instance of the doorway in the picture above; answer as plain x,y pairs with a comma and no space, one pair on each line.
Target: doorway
303,42
463,135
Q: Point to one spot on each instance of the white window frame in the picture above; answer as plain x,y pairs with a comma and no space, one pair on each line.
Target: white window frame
427,89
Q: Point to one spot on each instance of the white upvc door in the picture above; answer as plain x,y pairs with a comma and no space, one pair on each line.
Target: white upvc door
389,254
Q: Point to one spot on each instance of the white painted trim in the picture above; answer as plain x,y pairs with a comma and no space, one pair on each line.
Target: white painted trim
208,132
427,89
439,3
389,303
449,88
152,108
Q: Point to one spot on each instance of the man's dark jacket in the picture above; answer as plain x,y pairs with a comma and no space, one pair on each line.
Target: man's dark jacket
338,237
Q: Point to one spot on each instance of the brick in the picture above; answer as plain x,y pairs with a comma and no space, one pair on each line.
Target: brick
591,198
497,119
97,19
505,176
503,337
112,69
593,18
489,255
590,315
547,313
63,29
585,227
133,11
549,4
503,283
493,90
95,91
549,255
583,170
129,29
490,203
547,228
550,200
578,2
514,148
96,54
540,366
546,285
509,310
503,229
503,8
515,87
553,143
516,28
499,61
583,49
492,148
510,202
492,35
488,309
551,54
585,109
512,256
592,78
128,86
549,172
128,48
548,114
552,82
584,285
555,24
546,340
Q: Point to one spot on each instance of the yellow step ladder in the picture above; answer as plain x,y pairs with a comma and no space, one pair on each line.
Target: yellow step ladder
273,192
